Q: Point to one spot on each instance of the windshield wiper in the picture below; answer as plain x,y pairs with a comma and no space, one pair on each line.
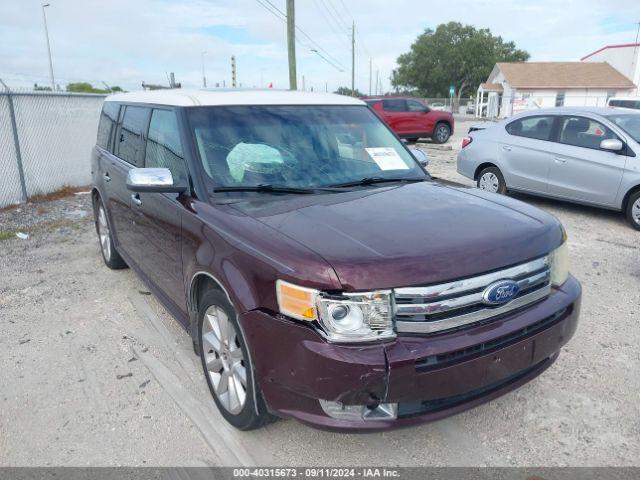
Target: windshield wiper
373,180
267,187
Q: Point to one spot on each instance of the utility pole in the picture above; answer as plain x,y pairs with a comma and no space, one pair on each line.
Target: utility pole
233,71
378,82
353,59
204,77
291,44
46,34
304,88
370,76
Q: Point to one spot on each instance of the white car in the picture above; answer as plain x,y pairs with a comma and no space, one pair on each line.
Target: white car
438,106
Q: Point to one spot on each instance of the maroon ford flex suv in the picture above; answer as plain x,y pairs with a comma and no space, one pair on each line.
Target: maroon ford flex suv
321,273
412,119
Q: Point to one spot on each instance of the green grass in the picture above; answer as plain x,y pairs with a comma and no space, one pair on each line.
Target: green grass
7,234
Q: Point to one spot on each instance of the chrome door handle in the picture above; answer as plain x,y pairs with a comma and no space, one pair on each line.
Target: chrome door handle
507,148
106,177
560,160
136,199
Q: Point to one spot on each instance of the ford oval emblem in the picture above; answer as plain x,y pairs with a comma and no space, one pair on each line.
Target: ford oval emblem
500,292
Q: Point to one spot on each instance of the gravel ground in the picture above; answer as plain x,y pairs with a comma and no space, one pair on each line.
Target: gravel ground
95,372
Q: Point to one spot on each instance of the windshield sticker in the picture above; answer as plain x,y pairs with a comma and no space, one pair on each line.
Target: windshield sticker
387,158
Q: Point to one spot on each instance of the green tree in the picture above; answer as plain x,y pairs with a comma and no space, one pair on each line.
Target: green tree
84,87
347,92
453,54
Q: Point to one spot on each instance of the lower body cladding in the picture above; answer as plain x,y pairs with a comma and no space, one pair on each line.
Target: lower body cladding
409,380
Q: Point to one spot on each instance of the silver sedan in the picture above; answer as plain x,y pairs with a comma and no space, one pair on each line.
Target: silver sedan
585,155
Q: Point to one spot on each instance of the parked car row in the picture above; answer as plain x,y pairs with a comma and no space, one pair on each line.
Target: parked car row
584,155
321,273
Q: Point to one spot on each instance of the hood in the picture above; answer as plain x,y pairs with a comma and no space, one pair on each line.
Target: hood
412,234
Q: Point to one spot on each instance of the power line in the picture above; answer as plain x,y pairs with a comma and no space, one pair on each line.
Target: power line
283,17
338,17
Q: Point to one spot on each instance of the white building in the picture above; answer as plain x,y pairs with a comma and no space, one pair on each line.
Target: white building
624,58
514,87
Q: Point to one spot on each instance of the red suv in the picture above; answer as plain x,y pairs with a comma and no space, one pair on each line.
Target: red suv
412,119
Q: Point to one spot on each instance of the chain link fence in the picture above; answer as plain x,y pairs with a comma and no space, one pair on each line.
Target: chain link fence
45,141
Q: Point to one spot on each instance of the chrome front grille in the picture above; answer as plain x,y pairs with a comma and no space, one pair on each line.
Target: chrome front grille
455,304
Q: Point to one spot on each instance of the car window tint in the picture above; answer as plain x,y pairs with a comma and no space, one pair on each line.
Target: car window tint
130,138
583,132
164,149
394,105
532,127
108,119
415,106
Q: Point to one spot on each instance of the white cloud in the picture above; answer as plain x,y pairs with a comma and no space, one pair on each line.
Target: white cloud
127,41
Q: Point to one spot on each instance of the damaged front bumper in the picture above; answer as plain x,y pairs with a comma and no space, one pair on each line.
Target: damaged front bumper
412,379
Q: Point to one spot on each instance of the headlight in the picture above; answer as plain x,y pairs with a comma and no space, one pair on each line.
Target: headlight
559,263
353,317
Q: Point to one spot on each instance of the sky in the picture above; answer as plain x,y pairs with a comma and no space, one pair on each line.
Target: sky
126,42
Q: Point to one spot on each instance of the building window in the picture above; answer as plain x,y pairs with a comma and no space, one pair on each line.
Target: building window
560,99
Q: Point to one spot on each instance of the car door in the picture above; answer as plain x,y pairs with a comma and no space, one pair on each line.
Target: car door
421,121
396,115
526,152
581,170
158,215
127,150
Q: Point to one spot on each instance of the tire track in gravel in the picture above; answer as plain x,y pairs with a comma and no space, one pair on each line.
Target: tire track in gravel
180,380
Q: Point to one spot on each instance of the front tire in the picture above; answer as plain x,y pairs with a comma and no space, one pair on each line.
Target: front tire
227,364
441,133
110,255
633,210
491,180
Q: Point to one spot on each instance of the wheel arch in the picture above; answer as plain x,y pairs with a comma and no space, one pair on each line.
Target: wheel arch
481,167
446,122
202,281
627,196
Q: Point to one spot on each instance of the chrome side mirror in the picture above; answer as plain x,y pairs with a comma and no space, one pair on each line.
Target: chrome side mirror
611,144
158,180
420,156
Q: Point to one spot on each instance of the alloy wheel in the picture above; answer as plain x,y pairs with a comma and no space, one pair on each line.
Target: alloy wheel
104,234
489,182
442,133
635,211
224,359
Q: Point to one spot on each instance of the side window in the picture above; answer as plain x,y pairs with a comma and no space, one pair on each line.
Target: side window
394,105
415,106
129,142
164,149
532,127
108,119
584,132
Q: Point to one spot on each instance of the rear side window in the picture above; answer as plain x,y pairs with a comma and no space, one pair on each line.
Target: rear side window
394,105
415,106
164,149
625,103
584,132
108,119
532,127
129,141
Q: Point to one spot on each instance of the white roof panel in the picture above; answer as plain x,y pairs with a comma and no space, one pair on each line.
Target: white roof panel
194,98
